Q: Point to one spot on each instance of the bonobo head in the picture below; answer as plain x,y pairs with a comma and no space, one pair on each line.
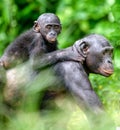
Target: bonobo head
48,24
98,54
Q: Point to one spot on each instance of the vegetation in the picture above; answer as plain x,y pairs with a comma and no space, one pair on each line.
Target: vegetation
79,18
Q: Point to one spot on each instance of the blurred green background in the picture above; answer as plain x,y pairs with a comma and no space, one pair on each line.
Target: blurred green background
79,18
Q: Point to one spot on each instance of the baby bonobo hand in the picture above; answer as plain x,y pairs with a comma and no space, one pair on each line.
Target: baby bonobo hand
74,55
78,52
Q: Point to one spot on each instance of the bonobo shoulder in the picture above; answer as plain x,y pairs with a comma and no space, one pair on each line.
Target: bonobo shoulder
27,35
67,65
22,41
20,45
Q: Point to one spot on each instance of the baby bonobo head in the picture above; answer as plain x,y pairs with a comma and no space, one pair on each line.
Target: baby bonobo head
97,52
48,24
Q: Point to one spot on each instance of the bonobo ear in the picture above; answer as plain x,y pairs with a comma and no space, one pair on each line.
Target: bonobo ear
36,27
82,47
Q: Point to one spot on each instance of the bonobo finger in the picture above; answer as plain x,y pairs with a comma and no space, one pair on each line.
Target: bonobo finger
79,59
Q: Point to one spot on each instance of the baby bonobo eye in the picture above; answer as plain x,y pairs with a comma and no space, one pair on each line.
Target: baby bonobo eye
48,27
56,27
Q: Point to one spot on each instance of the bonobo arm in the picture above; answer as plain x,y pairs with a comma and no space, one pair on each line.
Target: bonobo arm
76,80
48,59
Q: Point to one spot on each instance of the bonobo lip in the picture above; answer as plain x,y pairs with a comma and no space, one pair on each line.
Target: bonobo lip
108,72
52,40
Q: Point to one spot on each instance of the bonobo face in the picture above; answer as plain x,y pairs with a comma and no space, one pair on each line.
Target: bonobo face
51,31
97,53
99,57
49,26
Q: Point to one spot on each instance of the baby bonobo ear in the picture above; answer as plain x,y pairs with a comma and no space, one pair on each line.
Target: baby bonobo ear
82,48
36,27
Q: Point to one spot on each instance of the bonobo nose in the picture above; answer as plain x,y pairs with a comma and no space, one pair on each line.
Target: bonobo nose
109,61
53,34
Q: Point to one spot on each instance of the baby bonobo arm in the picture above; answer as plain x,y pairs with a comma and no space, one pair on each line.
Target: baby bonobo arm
68,54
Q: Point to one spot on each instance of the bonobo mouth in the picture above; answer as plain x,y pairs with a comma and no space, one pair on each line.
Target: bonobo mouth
51,40
107,72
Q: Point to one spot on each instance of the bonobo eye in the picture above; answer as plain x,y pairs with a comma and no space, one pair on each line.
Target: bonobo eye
105,51
56,27
111,53
48,27
108,51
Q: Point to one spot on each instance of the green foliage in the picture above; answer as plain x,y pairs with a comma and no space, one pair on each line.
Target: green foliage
79,18
87,16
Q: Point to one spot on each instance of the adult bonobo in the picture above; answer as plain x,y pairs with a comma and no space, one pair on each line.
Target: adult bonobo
97,52
98,59
42,38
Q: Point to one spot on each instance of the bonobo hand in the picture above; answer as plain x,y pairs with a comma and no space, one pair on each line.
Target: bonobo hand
71,53
79,51
76,55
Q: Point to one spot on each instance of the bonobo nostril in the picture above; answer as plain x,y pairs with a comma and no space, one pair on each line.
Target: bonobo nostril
53,34
109,61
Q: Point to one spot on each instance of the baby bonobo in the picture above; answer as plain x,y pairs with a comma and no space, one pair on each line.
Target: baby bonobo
29,46
42,38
